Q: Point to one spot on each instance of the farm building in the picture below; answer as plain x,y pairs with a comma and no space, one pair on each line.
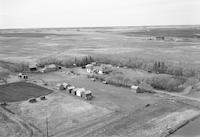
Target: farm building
66,85
79,91
87,95
104,69
94,63
22,76
33,67
104,82
43,98
32,100
99,69
134,87
60,86
49,68
74,91
70,89
160,38
89,68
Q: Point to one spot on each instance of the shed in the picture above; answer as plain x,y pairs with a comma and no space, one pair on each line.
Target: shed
70,89
74,91
105,69
3,103
32,100
79,91
24,76
20,75
66,85
48,68
33,67
42,98
104,82
89,68
87,95
160,38
134,87
60,86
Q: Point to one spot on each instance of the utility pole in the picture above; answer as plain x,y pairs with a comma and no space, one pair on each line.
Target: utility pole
47,127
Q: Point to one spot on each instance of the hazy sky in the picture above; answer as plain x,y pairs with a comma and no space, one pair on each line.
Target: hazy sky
73,13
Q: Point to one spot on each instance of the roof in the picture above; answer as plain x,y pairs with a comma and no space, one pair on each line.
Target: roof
89,65
50,66
71,87
88,92
58,85
65,84
81,89
33,65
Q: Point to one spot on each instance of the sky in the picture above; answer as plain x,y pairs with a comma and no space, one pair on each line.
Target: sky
91,13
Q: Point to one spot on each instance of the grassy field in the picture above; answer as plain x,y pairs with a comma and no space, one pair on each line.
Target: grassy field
21,91
32,44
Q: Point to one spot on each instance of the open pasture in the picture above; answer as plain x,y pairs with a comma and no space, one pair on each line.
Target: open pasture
37,43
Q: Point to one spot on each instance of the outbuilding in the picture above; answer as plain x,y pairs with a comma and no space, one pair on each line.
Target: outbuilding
87,95
42,98
49,68
74,91
89,68
70,88
66,85
60,86
33,67
32,100
134,87
22,76
79,91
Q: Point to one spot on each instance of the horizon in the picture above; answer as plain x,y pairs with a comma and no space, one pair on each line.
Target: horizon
162,26
94,13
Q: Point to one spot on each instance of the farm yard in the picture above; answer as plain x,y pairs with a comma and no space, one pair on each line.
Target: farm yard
52,100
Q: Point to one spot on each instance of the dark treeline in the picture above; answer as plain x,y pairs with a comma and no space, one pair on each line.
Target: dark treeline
152,66
66,62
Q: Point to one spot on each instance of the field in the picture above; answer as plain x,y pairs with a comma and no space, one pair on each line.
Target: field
20,91
36,43
114,111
